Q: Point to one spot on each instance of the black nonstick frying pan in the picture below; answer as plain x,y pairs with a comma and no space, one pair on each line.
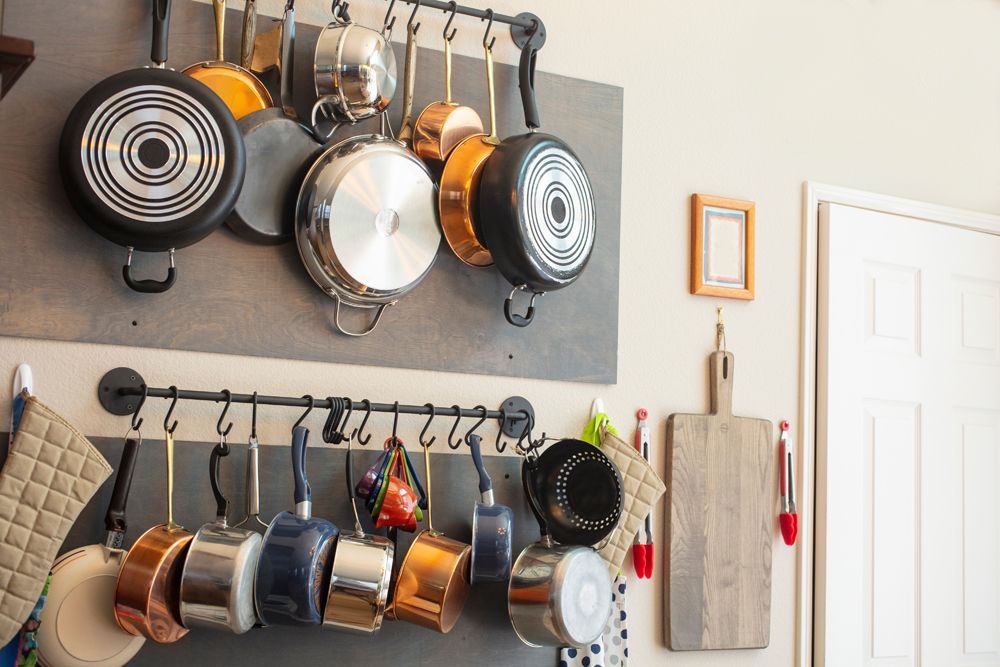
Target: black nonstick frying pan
152,159
536,206
578,490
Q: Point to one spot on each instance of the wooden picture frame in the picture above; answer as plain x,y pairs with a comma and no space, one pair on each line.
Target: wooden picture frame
722,247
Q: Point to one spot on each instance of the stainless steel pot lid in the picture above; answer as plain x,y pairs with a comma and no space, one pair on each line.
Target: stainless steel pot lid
367,218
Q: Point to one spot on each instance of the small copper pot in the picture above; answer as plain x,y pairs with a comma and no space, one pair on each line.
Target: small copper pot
443,125
147,594
433,582
458,197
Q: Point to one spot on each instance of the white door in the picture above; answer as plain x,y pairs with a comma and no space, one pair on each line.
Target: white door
908,442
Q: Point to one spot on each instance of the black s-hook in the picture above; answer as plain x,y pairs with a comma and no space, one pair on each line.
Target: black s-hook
451,435
166,420
413,15
489,29
468,434
136,420
423,431
360,431
218,424
453,8
312,404
503,419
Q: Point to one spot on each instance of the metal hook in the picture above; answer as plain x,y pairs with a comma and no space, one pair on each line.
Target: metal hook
451,435
413,15
137,423
339,11
170,410
489,29
423,431
349,404
333,420
358,432
453,8
395,422
312,404
253,420
218,424
468,434
503,419
386,22
526,433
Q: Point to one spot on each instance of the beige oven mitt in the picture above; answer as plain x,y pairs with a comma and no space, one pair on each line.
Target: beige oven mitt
643,487
50,475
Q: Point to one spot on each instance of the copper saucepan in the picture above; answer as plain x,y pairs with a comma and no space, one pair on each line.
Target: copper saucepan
443,125
242,92
147,595
433,582
458,198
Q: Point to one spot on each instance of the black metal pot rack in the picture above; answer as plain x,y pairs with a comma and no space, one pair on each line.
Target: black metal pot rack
523,28
122,391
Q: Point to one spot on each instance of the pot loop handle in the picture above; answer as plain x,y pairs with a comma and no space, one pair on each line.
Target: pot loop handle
149,286
371,327
520,320
221,502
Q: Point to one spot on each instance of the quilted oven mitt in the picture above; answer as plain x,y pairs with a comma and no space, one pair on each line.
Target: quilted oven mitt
643,487
51,474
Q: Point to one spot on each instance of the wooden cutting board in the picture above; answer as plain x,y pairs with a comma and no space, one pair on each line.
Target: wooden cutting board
720,524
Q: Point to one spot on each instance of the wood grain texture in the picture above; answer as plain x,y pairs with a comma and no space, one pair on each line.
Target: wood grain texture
59,280
483,635
720,524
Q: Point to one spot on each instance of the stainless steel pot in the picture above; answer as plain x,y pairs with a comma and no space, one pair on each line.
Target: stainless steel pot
218,578
359,578
559,595
354,70
366,221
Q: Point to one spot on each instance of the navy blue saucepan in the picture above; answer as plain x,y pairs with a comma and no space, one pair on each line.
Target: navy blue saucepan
293,572
491,528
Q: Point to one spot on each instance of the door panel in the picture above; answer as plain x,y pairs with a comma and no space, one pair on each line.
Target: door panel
908,430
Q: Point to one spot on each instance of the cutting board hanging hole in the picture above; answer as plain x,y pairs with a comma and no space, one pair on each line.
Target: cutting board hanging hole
725,368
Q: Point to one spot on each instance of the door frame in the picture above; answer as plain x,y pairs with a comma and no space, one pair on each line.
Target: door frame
814,194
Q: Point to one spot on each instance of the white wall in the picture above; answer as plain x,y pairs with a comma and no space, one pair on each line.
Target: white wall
743,98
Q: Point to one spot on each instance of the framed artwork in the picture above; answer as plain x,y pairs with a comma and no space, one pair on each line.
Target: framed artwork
722,247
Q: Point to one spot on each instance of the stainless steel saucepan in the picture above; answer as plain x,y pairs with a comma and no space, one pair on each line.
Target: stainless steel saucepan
218,577
359,578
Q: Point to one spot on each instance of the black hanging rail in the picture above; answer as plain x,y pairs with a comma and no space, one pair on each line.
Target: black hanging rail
121,389
523,27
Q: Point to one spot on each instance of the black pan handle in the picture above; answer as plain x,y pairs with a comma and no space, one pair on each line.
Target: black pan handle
149,286
514,318
300,438
221,503
485,483
350,472
114,520
161,30
528,470
526,82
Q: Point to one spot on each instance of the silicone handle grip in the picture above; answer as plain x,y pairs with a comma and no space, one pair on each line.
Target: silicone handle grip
350,473
526,82
300,437
514,318
485,483
161,31
114,520
528,469
221,503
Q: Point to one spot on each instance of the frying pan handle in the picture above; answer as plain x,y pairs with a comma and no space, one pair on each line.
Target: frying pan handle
514,318
114,520
526,82
286,62
485,483
149,286
303,493
349,464
221,503
249,32
161,30
528,469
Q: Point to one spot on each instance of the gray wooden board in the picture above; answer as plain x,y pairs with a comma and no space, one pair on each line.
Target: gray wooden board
60,280
483,636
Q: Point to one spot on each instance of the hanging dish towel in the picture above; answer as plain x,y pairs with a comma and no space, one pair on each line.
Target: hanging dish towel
50,475
611,650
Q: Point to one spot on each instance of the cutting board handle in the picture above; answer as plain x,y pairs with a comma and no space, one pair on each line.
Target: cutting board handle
721,380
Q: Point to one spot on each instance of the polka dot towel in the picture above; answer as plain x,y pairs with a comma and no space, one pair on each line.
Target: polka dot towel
611,650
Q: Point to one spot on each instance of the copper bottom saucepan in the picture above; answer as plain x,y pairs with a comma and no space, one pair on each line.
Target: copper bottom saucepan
433,582
147,595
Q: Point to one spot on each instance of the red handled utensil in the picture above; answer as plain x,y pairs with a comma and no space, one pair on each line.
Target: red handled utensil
642,548
788,519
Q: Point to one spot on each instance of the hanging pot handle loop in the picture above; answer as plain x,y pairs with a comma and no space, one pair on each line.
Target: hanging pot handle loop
149,286
358,334
520,320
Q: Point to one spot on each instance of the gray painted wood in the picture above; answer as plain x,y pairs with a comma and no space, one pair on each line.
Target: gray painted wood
483,636
59,280
721,524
